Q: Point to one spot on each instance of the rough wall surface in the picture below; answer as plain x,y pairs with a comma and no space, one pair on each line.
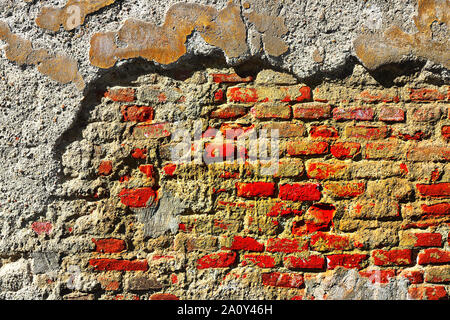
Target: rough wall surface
96,96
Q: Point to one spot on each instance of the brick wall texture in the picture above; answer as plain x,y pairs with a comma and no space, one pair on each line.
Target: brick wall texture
362,188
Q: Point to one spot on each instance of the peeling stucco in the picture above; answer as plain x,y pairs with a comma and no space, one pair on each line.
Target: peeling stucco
395,45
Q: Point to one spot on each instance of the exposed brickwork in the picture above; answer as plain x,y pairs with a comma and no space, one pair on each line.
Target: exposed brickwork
362,185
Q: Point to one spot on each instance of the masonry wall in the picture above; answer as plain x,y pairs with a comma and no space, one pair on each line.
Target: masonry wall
133,137
361,189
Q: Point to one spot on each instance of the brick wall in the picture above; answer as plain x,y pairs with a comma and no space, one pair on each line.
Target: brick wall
362,185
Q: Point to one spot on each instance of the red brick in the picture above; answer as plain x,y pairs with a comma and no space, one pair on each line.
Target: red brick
306,148
425,94
219,96
319,217
300,192
147,169
311,111
229,112
42,227
285,280
437,190
321,170
121,94
428,293
217,152
436,209
323,132
367,132
348,261
118,265
245,95
282,209
109,245
163,296
413,276
139,153
217,260
428,239
105,168
230,78
434,256
137,113
285,245
445,132
169,169
322,241
417,136
391,114
378,276
137,198
246,243
396,257
255,189
259,260
298,263
345,150
355,113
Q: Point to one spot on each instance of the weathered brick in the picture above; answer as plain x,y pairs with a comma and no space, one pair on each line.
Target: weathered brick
437,190
395,257
436,209
285,245
137,113
245,243
428,292
137,198
121,94
300,192
426,114
345,150
259,260
324,132
217,260
378,276
105,168
286,280
290,94
344,190
388,150
109,245
354,113
255,189
306,148
322,241
285,129
367,132
413,276
433,256
313,262
425,95
326,170
391,114
271,111
376,96
349,261
118,265
445,132
229,112
437,274
311,111
428,153
152,131
230,78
